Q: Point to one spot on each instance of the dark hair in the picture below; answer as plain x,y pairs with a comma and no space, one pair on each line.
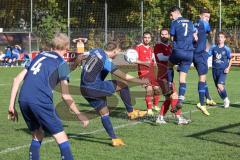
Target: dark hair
204,10
222,33
163,29
147,32
174,8
112,45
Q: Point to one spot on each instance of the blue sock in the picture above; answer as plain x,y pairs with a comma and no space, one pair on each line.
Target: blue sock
182,90
201,92
223,93
65,150
170,75
34,150
108,126
207,95
126,98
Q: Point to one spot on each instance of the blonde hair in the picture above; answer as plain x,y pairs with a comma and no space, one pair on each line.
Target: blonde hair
60,41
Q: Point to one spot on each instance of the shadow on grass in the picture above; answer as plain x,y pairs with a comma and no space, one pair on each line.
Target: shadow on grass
89,138
204,135
235,105
26,131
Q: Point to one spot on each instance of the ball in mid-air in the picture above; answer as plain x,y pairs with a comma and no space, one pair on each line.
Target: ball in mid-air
131,56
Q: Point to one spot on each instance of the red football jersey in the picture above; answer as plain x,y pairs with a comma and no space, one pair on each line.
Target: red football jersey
145,54
162,52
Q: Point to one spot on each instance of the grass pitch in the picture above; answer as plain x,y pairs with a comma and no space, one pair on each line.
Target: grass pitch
215,137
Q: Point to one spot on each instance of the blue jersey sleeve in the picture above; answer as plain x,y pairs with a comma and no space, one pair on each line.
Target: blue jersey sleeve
63,71
228,52
172,29
207,27
109,66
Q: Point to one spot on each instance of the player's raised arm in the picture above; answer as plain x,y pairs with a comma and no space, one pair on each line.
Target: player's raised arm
12,113
130,78
71,103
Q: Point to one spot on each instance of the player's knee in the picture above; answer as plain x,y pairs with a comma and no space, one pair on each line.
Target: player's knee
156,90
202,78
220,87
103,111
174,95
149,90
182,77
121,85
60,137
38,134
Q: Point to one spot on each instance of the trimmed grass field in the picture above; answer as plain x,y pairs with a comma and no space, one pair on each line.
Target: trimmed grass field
216,137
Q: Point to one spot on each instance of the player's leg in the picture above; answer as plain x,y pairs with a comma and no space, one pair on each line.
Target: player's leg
47,118
186,59
125,95
156,97
202,68
201,88
201,92
148,99
170,75
123,89
222,90
64,145
34,150
163,111
182,89
174,99
34,127
104,113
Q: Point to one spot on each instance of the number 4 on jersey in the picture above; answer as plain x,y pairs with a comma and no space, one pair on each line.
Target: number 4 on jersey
37,66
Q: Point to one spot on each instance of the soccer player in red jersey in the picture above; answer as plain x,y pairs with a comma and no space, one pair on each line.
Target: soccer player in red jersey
162,51
146,70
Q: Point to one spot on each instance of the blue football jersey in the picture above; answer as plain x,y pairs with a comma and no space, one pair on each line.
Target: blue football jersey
96,68
182,30
221,56
203,28
45,71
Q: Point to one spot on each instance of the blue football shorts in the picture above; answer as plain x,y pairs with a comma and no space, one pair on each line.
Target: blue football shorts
41,115
96,94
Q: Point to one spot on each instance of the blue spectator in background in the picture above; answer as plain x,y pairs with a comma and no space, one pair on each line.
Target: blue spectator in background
15,53
7,60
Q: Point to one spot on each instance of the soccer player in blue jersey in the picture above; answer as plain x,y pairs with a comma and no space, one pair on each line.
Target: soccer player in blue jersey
95,88
221,64
200,59
183,34
36,97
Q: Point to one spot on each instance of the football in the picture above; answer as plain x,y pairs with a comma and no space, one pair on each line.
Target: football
131,55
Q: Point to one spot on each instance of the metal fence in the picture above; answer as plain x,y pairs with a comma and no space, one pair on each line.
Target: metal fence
99,20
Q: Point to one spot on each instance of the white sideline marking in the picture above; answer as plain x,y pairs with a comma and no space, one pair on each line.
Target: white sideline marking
7,150
6,84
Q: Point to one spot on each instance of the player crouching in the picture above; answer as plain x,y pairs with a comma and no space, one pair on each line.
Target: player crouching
95,88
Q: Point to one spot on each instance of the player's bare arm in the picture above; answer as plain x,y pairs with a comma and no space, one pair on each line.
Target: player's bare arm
145,63
12,113
229,66
71,103
129,78
195,36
